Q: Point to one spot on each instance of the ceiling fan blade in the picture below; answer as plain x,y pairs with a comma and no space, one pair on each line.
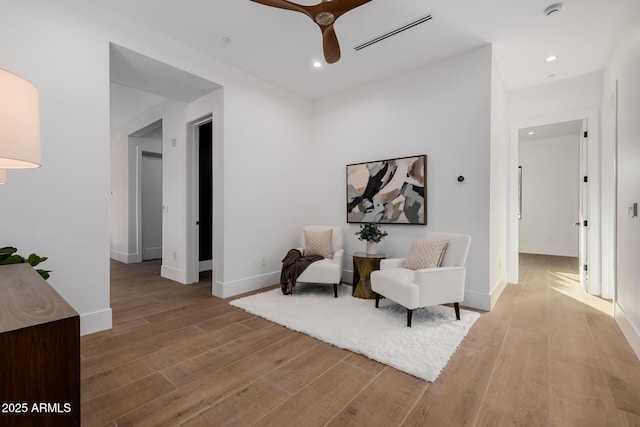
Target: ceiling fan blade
330,45
284,4
324,15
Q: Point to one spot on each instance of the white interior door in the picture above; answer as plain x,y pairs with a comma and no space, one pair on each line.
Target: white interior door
151,205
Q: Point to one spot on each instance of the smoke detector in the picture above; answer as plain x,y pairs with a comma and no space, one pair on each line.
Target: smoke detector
553,9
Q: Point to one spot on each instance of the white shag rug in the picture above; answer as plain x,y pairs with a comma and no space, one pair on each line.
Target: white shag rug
355,324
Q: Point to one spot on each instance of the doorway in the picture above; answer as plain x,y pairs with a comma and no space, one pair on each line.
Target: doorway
151,205
145,192
201,229
205,195
591,189
552,206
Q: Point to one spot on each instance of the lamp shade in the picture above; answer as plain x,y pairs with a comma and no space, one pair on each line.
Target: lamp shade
3,177
19,123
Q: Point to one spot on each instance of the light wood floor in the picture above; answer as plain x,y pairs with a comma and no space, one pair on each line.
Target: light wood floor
547,355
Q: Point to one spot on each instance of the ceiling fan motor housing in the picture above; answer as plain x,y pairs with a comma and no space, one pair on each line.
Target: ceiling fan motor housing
325,18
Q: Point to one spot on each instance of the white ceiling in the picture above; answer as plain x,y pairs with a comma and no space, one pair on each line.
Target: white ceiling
280,45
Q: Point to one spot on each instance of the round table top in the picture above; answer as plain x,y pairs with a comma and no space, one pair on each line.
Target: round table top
366,255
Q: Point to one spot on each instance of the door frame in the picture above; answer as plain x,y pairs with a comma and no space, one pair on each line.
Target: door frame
193,263
584,207
609,158
593,241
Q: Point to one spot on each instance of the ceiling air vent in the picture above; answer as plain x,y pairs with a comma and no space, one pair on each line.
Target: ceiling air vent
394,32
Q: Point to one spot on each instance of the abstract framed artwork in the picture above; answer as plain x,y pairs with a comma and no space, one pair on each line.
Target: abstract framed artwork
389,191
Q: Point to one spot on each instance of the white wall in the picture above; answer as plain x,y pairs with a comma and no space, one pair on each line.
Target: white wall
442,110
563,96
61,209
499,206
624,67
570,99
267,195
550,196
63,48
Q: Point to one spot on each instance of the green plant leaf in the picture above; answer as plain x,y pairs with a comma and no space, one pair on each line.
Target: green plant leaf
35,259
44,273
13,259
370,232
7,251
8,256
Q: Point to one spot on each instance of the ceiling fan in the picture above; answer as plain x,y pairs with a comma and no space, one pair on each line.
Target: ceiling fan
324,14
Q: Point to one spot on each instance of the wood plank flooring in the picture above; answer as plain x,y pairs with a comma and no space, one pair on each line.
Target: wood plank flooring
547,355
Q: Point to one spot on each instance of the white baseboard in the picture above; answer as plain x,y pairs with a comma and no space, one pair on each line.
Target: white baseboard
483,301
347,276
123,257
152,253
96,321
205,265
174,274
630,332
237,287
477,300
497,291
549,250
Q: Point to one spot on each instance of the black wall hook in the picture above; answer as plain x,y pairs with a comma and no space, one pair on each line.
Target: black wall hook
460,178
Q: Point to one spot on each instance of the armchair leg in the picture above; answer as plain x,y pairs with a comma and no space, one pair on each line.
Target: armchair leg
456,306
335,290
377,299
409,315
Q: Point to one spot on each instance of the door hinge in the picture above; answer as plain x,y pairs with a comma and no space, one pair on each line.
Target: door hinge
585,267
585,223
586,179
586,134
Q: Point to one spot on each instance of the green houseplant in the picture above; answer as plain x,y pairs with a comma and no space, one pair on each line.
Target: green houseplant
8,255
372,234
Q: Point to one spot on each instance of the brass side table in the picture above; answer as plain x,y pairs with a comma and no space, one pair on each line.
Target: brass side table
363,265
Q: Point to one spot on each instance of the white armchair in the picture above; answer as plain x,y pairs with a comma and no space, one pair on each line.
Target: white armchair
328,270
429,286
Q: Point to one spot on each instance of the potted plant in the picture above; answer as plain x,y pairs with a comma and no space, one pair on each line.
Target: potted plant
8,256
372,234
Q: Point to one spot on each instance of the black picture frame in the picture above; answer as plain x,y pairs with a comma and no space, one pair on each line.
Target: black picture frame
391,191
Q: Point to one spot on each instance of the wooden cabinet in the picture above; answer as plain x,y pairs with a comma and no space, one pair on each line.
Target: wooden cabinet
39,352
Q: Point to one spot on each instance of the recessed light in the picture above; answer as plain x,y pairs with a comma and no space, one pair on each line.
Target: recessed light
551,58
317,64
531,132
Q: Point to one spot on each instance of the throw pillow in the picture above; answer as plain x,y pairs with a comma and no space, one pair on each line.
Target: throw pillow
426,254
318,243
